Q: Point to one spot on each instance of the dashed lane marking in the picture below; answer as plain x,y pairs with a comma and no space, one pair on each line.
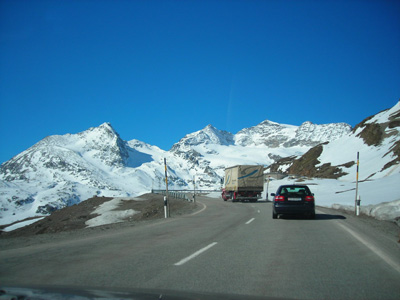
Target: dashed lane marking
197,253
249,221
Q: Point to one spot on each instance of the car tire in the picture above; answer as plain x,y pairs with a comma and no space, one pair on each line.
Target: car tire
274,215
312,216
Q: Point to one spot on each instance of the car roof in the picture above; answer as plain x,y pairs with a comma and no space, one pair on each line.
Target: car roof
293,185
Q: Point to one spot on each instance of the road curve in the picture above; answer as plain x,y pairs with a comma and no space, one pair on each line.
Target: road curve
228,248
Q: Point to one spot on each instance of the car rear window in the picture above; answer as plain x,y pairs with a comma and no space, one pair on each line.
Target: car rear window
295,191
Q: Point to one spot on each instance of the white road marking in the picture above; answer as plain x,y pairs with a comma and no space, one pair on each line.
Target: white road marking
185,260
249,221
197,212
373,248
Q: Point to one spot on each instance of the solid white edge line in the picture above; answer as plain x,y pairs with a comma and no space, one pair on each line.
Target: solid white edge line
373,248
185,260
197,212
249,221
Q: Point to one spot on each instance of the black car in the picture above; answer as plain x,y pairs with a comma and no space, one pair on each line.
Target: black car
293,200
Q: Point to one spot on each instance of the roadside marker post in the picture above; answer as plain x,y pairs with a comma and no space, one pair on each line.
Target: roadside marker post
358,202
358,164
194,189
166,204
165,207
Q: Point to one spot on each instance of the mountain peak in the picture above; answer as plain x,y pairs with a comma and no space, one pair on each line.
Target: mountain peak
103,136
107,128
269,122
307,123
106,125
207,135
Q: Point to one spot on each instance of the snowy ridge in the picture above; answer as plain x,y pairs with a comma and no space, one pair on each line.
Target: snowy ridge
321,133
276,135
266,133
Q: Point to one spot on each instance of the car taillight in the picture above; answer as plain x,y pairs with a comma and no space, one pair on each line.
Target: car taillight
310,198
279,198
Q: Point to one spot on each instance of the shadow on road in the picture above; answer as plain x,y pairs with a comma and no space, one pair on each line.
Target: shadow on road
329,217
318,217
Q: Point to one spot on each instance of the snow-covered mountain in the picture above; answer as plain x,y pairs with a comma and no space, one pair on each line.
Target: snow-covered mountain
63,170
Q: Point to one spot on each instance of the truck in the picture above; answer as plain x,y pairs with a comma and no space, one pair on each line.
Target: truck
243,183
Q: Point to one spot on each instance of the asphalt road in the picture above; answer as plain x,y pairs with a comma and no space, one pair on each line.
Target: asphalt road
228,248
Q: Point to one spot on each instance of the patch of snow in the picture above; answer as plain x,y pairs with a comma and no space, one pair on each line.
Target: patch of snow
107,214
21,224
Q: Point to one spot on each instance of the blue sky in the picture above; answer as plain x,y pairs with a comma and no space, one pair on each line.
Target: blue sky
158,70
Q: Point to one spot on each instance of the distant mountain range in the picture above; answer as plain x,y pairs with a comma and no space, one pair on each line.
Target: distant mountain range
64,170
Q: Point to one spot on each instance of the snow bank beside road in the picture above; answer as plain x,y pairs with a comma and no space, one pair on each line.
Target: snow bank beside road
380,198
387,211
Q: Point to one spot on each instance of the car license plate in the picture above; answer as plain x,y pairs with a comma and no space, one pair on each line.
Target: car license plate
294,199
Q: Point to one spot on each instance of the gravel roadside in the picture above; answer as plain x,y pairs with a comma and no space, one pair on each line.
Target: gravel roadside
69,222
387,229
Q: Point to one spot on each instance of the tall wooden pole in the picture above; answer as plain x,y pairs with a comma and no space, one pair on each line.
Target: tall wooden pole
358,164
166,185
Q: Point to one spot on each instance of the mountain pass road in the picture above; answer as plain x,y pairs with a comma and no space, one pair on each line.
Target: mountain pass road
223,248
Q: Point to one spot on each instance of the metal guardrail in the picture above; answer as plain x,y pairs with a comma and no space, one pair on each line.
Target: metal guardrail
182,194
173,194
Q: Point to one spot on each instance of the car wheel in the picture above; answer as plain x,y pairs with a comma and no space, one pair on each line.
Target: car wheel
274,215
312,216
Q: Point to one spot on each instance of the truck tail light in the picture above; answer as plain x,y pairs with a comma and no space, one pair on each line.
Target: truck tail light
279,198
309,198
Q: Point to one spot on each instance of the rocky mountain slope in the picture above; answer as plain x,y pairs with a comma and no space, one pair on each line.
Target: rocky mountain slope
63,170
377,139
